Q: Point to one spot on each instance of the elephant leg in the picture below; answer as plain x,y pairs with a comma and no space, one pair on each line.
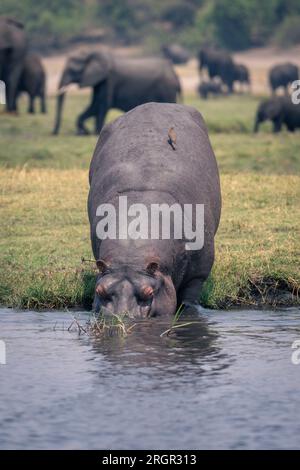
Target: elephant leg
290,128
43,104
277,125
89,112
31,105
12,88
81,129
100,118
101,106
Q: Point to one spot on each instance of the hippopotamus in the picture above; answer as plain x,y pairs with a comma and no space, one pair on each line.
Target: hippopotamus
158,154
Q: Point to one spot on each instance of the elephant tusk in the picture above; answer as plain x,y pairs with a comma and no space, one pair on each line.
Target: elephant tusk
62,90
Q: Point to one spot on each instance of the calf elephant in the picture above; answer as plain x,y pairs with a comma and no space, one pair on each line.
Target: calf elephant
176,53
13,47
116,83
206,89
241,74
283,75
33,81
219,64
280,110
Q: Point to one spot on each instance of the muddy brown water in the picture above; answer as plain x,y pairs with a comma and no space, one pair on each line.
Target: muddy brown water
228,381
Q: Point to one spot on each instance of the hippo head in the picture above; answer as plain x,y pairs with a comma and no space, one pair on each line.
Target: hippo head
139,292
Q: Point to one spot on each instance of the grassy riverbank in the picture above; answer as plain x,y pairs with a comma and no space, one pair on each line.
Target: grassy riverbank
45,232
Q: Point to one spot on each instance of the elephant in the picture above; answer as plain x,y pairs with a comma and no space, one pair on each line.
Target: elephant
241,74
280,110
176,53
13,46
219,64
33,81
117,82
210,88
156,157
283,75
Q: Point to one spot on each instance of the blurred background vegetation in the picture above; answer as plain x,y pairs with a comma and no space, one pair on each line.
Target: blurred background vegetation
233,24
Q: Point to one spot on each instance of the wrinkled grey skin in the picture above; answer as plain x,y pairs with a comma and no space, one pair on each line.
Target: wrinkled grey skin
282,75
219,64
33,81
176,53
206,89
13,46
281,111
242,75
133,158
116,82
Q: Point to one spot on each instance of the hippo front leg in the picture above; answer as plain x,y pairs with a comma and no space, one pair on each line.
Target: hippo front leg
190,292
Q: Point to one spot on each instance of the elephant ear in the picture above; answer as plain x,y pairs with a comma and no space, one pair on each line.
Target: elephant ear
95,70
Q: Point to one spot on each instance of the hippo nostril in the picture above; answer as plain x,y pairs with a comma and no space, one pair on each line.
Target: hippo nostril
101,291
147,291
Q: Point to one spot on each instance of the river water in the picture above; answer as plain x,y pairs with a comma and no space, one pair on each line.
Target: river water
227,381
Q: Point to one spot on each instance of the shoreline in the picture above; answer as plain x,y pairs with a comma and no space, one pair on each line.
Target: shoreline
230,307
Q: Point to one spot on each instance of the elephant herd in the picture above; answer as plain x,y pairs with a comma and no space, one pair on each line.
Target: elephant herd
20,69
125,83
220,65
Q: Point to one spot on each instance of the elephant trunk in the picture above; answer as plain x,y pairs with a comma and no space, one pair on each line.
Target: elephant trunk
65,81
59,108
256,125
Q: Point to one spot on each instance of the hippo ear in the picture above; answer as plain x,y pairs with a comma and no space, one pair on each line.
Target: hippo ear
102,265
152,268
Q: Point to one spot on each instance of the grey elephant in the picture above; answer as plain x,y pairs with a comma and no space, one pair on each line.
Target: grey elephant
207,89
156,156
282,75
281,111
13,46
219,63
33,81
116,83
176,53
242,75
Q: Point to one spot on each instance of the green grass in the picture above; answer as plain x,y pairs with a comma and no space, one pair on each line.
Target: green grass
27,140
45,232
104,326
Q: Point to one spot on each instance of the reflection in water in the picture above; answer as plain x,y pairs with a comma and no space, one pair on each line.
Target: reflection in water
191,347
226,381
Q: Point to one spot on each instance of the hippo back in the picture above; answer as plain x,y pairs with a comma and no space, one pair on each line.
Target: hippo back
133,153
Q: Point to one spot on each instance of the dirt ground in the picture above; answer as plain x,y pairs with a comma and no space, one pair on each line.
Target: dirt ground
258,60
